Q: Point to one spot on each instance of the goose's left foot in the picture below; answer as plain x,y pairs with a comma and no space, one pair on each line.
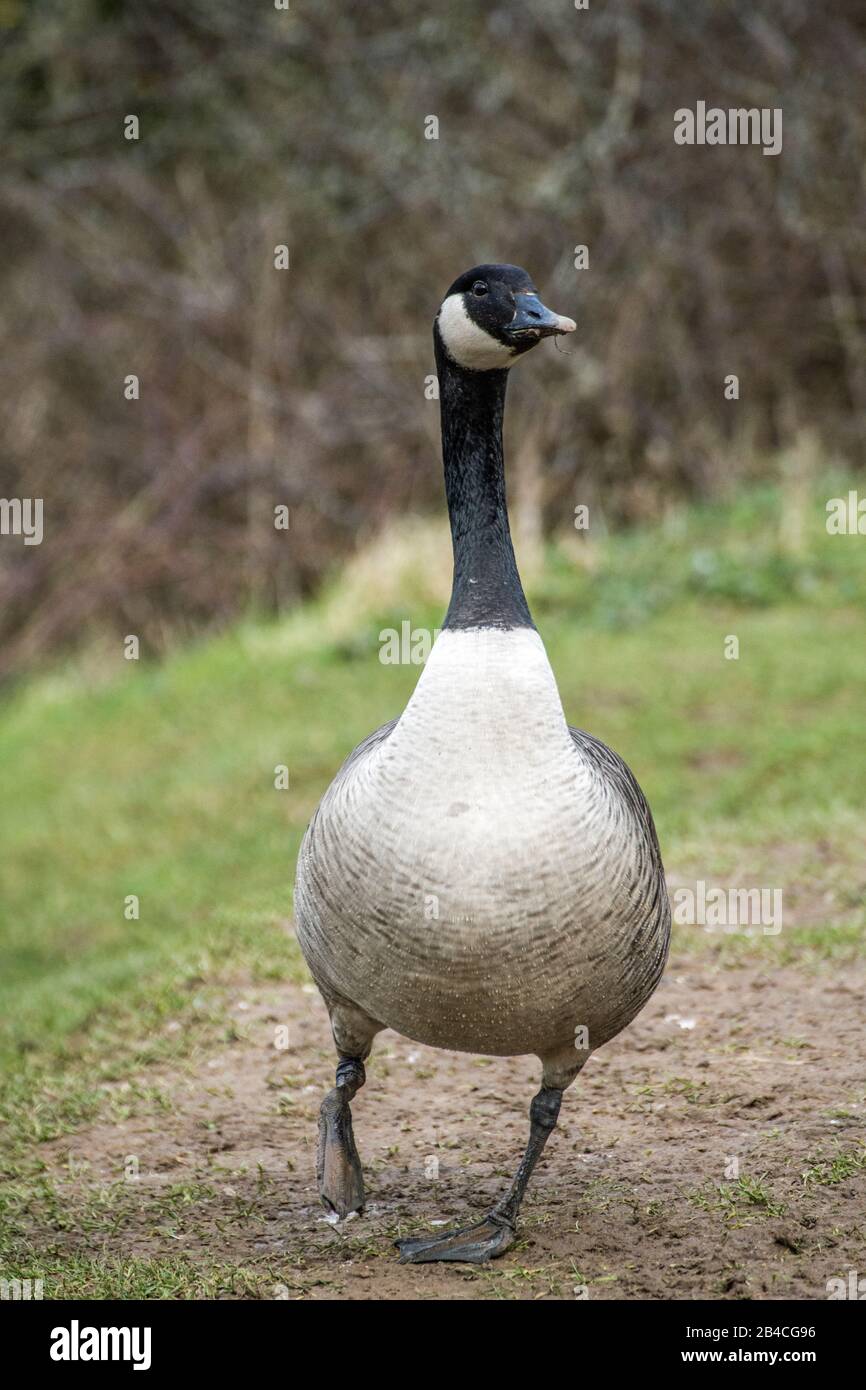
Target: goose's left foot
498,1232
472,1244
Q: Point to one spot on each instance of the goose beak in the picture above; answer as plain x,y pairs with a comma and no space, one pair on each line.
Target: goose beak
533,320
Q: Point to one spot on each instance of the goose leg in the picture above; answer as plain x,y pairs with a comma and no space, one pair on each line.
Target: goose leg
338,1167
492,1236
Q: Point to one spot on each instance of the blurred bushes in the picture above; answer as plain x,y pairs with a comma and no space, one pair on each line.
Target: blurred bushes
306,387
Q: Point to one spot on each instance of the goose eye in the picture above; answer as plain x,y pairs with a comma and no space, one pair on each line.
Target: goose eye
479,288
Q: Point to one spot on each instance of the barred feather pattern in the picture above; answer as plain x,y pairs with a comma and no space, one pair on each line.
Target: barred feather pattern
480,876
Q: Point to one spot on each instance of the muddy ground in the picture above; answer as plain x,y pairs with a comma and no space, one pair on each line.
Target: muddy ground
713,1150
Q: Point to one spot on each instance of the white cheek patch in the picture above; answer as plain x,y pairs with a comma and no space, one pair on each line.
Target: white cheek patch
468,344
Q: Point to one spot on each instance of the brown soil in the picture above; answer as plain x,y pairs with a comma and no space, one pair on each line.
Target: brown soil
631,1200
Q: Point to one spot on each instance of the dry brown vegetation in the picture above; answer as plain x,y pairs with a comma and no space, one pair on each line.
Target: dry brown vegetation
306,387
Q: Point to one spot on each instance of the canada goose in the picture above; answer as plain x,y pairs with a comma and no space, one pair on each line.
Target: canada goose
479,876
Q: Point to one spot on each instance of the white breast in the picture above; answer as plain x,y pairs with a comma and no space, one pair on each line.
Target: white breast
469,881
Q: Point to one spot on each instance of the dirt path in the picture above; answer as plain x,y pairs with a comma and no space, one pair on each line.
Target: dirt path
637,1196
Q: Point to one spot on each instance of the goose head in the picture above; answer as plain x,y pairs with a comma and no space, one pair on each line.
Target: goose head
491,316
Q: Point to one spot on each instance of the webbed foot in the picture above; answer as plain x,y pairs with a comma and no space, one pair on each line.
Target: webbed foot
338,1167
471,1244
497,1232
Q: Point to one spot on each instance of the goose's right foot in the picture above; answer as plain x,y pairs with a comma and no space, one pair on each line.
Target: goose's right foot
338,1167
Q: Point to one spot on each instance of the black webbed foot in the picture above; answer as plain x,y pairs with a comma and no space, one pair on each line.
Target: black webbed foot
497,1232
471,1244
338,1167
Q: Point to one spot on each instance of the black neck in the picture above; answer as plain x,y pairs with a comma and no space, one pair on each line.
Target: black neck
486,591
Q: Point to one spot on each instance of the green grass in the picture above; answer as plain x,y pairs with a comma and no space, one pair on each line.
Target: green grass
126,778
746,1200
827,1172
95,1277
